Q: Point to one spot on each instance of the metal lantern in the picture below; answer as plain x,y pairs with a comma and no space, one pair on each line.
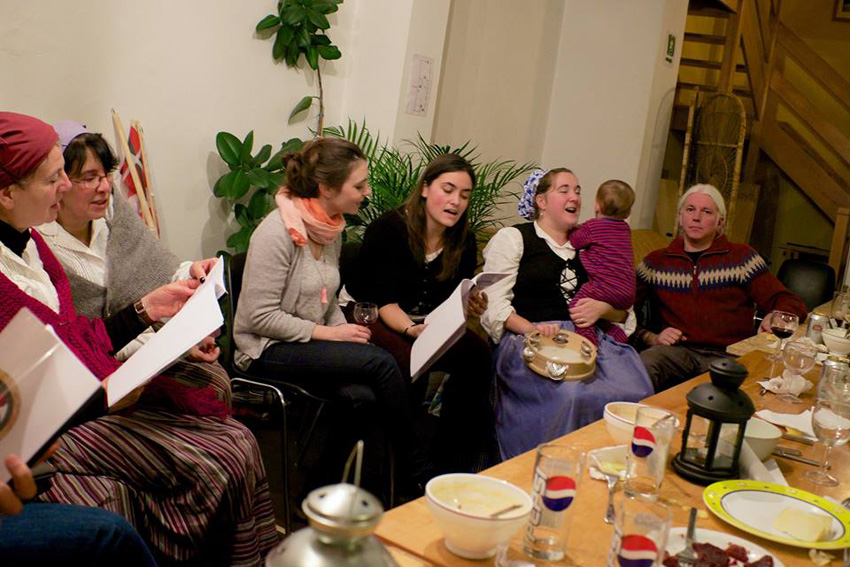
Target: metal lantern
714,430
342,518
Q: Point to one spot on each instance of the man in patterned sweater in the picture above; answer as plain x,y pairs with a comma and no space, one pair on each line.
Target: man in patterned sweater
703,291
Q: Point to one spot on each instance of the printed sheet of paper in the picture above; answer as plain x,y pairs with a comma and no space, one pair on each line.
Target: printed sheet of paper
445,325
42,386
199,317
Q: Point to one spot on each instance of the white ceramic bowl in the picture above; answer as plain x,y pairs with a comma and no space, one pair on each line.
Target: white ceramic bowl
461,504
762,437
620,419
835,341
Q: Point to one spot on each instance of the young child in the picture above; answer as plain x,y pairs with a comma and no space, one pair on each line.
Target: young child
605,248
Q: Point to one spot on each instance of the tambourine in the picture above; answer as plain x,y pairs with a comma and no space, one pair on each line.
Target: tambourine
566,356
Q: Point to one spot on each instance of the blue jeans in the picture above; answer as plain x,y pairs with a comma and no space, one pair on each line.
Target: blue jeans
59,534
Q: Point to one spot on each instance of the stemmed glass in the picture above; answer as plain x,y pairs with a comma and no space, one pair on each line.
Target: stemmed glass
365,313
782,325
840,310
831,422
799,358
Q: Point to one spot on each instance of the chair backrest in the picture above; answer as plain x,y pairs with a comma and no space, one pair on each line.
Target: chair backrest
233,268
813,281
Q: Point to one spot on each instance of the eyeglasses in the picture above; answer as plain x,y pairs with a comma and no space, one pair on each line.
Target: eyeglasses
93,181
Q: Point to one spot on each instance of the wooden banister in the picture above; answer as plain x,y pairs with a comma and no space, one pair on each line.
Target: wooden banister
815,66
838,249
820,125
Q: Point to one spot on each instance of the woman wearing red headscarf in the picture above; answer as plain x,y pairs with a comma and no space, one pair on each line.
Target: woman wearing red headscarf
190,479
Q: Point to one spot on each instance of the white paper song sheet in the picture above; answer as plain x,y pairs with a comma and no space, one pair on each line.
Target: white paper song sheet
199,317
42,385
445,325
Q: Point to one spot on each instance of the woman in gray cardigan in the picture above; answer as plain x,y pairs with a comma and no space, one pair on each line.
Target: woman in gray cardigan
288,322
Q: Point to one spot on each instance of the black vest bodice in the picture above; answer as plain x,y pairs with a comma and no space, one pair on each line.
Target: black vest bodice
538,295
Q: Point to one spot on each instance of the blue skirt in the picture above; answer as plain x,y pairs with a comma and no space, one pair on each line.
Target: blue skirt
531,409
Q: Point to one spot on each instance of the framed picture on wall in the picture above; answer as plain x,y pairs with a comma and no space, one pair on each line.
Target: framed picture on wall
842,11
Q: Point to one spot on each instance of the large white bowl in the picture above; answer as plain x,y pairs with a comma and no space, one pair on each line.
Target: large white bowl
835,341
762,437
620,419
461,505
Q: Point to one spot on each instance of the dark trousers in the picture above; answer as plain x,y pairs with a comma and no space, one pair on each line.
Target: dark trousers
671,365
58,534
465,436
356,374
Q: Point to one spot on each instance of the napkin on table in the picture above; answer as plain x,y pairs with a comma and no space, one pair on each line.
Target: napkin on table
788,383
800,421
753,469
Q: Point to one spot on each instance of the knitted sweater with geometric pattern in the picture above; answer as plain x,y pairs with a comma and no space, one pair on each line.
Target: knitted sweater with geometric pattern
713,300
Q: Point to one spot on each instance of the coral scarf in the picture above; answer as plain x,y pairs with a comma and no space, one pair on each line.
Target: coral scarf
306,219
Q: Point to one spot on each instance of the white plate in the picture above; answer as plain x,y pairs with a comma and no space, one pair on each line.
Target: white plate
676,543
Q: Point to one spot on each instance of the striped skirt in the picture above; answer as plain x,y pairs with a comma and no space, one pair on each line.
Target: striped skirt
194,487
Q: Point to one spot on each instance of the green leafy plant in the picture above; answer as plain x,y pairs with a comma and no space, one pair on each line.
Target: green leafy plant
393,173
300,28
251,183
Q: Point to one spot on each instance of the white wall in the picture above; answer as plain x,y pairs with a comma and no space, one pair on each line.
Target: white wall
611,95
188,69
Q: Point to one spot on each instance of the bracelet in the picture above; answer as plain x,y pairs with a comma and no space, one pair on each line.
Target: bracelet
404,332
143,313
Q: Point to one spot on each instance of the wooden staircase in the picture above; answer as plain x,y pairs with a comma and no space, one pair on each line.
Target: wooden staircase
741,46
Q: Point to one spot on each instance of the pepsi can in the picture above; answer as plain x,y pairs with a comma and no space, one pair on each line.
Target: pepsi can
557,472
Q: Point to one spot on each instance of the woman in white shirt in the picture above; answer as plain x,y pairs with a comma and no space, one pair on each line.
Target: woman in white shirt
545,275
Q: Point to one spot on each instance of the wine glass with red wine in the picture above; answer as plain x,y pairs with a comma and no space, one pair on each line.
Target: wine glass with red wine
782,325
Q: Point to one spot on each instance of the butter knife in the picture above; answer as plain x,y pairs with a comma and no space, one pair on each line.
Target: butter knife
798,439
797,458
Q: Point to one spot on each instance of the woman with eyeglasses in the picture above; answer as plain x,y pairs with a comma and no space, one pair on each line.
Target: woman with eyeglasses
189,478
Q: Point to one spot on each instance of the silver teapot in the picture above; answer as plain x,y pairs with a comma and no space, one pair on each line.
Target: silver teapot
342,518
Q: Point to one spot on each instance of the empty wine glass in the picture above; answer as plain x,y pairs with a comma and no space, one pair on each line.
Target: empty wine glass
831,422
782,325
799,358
840,310
834,382
365,313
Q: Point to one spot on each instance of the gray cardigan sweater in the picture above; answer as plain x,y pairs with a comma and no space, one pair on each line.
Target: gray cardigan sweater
274,306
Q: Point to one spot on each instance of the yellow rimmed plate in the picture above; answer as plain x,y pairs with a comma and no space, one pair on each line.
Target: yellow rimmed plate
753,506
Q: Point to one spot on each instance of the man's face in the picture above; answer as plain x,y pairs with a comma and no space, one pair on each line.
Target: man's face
700,220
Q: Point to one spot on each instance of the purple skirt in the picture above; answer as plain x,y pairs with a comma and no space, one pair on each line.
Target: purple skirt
531,409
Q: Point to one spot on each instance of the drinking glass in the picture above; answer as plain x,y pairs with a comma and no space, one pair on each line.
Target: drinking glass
365,313
799,358
557,472
646,459
834,382
782,325
840,310
641,528
831,422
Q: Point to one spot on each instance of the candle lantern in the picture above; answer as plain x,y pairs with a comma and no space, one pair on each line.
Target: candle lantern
714,429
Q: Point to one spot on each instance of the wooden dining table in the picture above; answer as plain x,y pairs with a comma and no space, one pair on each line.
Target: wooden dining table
418,541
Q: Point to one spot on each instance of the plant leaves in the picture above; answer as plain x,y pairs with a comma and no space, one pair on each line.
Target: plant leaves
281,42
260,205
224,183
302,105
239,187
302,36
292,145
313,56
293,14
258,177
239,240
228,147
247,148
320,39
268,22
263,155
292,54
240,211
329,52
319,20
276,180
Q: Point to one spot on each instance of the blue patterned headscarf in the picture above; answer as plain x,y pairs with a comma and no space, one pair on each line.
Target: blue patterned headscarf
525,207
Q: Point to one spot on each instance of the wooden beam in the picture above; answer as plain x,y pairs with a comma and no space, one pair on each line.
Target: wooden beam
754,56
815,66
819,124
824,191
726,82
705,38
837,251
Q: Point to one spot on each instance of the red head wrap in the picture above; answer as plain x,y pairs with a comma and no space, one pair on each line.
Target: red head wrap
24,143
